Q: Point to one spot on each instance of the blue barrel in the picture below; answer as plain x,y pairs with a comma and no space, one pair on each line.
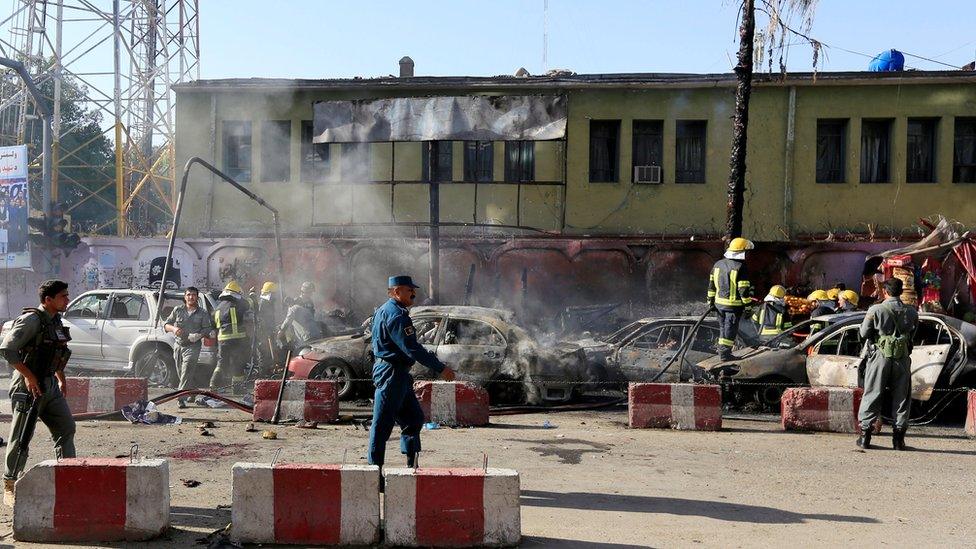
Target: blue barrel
891,60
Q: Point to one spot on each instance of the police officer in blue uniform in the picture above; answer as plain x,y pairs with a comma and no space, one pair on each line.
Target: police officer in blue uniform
396,349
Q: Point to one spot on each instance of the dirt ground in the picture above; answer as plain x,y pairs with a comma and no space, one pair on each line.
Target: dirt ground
592,482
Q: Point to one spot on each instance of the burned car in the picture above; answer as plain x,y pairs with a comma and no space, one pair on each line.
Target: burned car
830,356
641,349
482,345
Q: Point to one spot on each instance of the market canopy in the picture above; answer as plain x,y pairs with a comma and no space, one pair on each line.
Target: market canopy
470,117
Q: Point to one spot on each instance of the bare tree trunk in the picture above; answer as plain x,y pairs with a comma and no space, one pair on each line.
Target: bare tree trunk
740,123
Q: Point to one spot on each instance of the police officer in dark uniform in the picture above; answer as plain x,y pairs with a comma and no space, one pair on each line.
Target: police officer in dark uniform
36,347
729,291
395,348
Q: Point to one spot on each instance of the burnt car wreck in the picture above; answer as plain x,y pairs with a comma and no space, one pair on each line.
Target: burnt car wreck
483,345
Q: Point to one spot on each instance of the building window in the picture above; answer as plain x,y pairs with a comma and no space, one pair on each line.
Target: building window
831,151
964,151
315,156
921,150
443,169
237,150
519,161
689,151
648,146
276,150
478,161
604,150
875,151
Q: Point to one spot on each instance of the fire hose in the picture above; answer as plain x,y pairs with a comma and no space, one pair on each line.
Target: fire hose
683,348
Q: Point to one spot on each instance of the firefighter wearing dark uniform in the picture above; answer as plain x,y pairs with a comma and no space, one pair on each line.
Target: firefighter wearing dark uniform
267,315
396,349
36,347
772,318
890,327
232,318
729,291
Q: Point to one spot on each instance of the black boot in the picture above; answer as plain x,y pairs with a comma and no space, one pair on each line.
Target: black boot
864,441
412,460
898,439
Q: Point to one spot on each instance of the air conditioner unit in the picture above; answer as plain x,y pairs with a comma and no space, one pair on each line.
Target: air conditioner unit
647,175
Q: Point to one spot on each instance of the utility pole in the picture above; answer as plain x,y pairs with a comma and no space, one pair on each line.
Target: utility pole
434,244
740,122
47,134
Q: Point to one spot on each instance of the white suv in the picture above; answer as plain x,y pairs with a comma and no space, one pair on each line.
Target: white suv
112,331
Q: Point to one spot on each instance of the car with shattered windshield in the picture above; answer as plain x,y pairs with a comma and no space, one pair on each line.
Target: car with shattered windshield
483,345
829,357
641,350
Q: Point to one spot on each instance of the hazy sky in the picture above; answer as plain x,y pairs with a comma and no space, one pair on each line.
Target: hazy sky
324,39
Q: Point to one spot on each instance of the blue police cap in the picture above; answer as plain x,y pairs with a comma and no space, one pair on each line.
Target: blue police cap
401,280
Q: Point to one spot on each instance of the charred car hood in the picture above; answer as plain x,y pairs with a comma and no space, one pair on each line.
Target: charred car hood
347,346
759,363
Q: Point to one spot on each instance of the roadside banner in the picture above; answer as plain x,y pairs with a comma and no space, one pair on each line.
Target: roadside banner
14,202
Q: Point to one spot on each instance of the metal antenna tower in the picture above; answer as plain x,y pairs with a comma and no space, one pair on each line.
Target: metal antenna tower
121,57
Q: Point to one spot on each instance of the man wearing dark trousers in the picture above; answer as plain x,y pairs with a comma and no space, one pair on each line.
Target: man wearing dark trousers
890,327
396,349
36,347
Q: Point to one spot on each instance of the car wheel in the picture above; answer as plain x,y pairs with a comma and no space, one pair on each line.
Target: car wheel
157,366
770,396
339,371
506,390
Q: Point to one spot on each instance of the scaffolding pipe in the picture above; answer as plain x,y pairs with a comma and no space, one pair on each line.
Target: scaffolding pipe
176,223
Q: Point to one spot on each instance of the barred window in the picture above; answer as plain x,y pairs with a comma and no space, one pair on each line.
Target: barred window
831,151
315,156
236,140
921,150
648,143
964,151
519,161
604,150
478,161
875,151
689,148
443,169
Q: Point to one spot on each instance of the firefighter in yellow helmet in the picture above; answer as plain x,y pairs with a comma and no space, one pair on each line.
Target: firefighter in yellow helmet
847,301
771,317
824,306
268,316
729,291
234,321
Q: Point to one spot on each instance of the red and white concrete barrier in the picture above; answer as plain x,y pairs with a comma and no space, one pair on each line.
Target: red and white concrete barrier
452,507
830,409
306,503
93,500
675,405
971,414
456,404
104,394
303,400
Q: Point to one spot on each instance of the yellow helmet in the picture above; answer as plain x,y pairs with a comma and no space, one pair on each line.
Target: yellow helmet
777,291
740,245
233,286
833,293
850,296
269,287
818,295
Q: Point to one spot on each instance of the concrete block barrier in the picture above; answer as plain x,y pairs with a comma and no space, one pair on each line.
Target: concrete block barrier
828,409
452,507
453,403
675,405
92,500
104,394
303,400
971,414
305,503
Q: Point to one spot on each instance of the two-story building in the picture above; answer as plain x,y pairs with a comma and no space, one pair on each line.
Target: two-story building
613,191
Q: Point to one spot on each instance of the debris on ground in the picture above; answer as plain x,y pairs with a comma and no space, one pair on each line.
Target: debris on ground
431,425
202,451
145,412
249,428
206,425
205,433
190,483
269,435
219,539
302,424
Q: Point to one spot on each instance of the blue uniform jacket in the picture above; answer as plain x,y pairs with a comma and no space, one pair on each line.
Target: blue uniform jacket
395,340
